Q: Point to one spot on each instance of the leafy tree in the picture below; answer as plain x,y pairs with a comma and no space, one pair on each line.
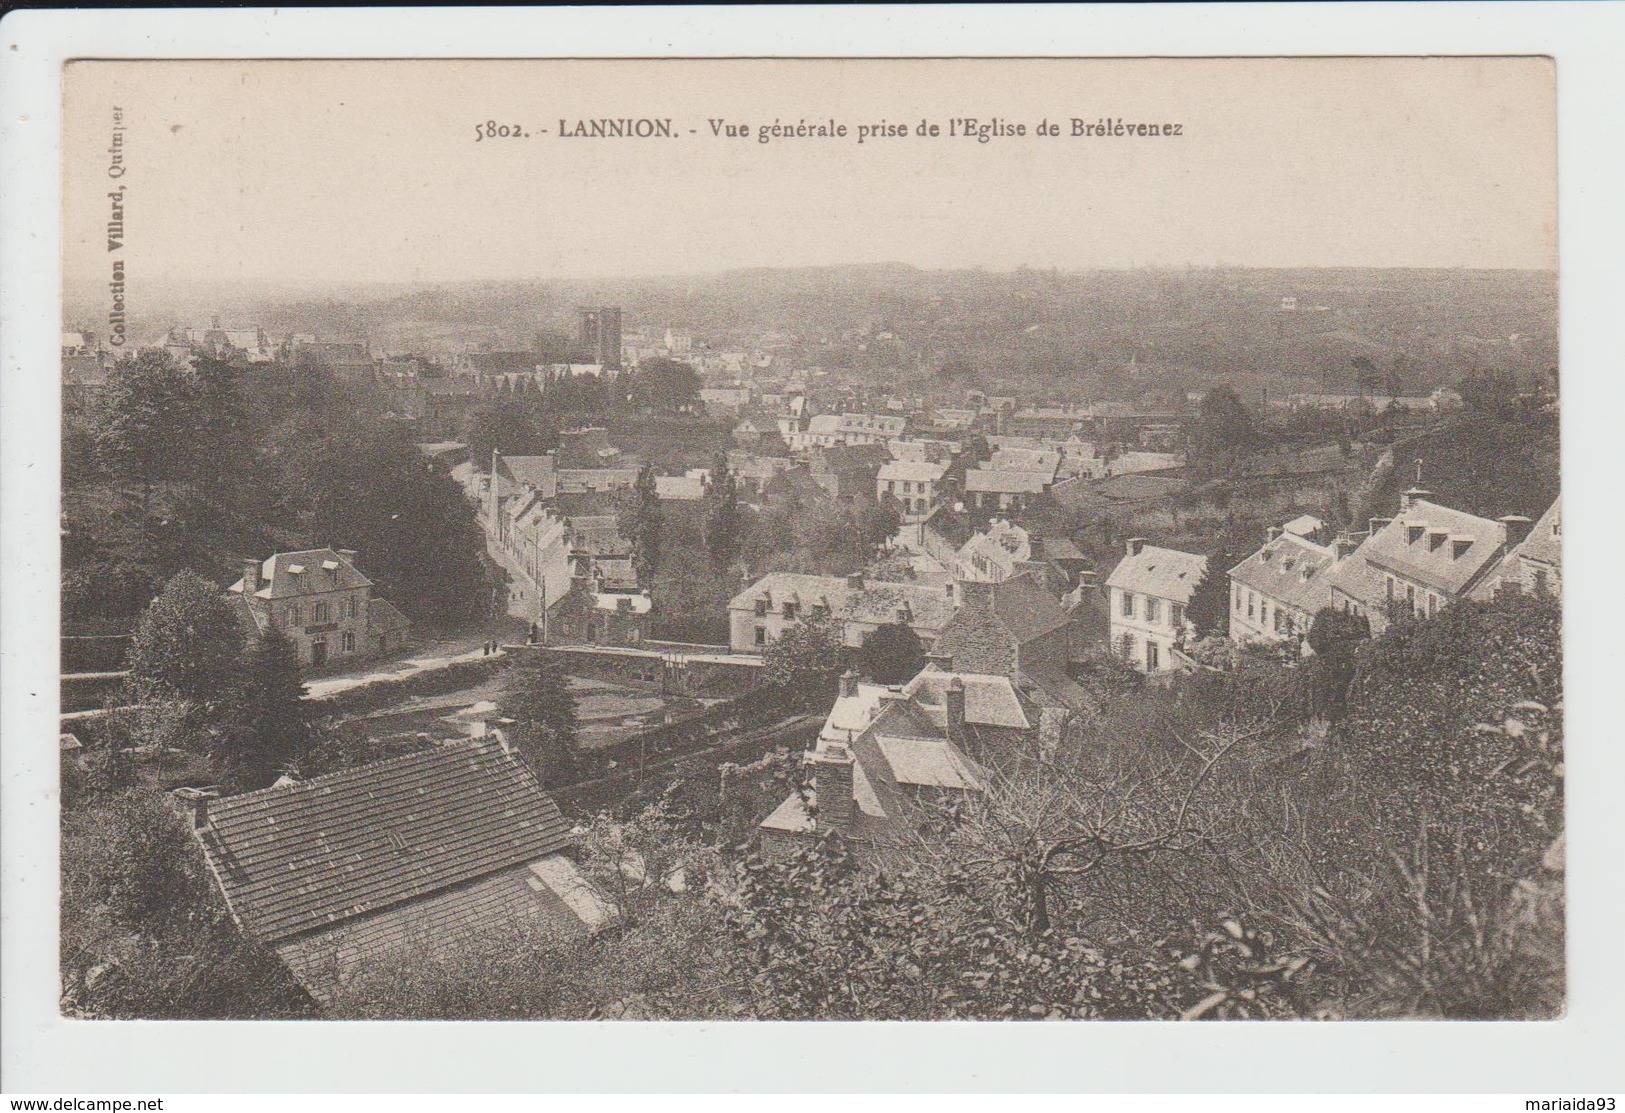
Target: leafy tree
270,722
1223,432
515,426
224,438
1209,606
646,522
891,654
415,531
722,520
150,420
806,660
666,384
878,521
188,643
1335,636
539,698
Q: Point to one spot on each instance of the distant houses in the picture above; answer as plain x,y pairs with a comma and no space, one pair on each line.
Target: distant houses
759,615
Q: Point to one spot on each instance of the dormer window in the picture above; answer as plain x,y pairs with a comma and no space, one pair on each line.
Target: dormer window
1435,539
1459,546
761,606
1413,534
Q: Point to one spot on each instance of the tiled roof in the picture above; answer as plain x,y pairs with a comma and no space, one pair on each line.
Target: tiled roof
548,893
1165,573
1291,570
310,855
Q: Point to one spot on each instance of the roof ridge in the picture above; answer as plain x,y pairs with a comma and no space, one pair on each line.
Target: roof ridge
473,745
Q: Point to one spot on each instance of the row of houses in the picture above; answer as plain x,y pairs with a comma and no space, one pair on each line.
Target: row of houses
1419,561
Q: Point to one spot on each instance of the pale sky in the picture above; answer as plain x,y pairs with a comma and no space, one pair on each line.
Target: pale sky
306,173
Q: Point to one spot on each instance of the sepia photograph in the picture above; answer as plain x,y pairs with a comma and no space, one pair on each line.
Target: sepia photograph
811,539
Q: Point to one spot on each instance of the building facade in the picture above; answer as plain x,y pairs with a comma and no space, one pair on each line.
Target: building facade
321,603
1148,592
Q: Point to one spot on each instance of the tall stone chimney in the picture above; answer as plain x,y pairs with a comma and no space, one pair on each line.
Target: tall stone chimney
251,577
1134,545
954,706
194,805
1517,527
849,684
1410,497
348,555
832,782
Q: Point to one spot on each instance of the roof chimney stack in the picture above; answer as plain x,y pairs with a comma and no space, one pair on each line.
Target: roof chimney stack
1517,527
251,577
1410,497
1135,544
849,684
954,705
832,783
194,804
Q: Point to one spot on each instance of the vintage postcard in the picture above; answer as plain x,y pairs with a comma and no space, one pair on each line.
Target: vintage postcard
811,539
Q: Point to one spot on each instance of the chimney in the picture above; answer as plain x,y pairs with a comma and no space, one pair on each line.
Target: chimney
1135,544
194,804
1342,547
1410,497
1518,528
1274,532
1378,523
251,577
350,556
854,581
832,782
954,706
849,684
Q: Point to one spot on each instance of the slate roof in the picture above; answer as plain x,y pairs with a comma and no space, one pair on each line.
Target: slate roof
310,855
1545,541
875,602
307,572
990,701
1165,573
1026,607
1291,570
931,763
999,481
913,471
384,618
1428,560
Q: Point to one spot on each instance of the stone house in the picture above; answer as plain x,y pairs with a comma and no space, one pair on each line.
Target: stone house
323,605
1148,592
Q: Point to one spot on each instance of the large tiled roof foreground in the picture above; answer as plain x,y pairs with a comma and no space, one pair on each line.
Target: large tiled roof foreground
319,570
310,855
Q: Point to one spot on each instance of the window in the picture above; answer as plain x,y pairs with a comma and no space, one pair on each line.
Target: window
1283,622
293,616
349,642
319,613
1251,599
1433,604
789,610
1152,659
353,604
1176,615
761,607
1127,647
1153,610
761,635
1390,588
1128,604
1410,596
1236,591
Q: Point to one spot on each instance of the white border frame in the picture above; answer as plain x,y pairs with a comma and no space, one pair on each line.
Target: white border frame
44,1053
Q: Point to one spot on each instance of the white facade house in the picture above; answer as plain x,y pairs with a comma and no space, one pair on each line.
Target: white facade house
1148,592
1277,591
917,486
